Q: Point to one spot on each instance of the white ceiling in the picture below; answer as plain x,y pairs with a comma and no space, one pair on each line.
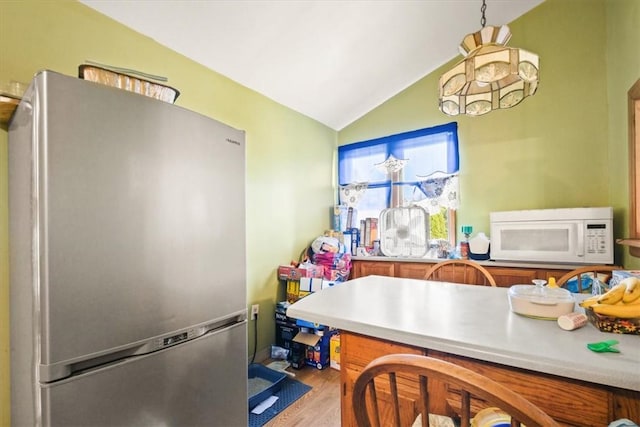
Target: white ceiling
331,60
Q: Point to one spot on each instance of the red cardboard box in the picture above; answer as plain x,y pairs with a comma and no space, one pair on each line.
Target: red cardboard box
289,272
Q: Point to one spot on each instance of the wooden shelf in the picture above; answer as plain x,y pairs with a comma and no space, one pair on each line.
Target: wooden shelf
629,242
7,106
634,246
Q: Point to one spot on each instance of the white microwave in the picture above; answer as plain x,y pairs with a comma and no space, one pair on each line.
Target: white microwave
572,235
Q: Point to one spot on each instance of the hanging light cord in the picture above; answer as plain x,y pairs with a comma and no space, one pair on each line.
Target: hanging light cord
483,20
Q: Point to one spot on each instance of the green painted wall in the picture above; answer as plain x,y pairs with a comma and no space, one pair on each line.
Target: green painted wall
565,146
289,156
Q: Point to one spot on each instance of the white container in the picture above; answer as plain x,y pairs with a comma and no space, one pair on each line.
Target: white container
572,321
540,301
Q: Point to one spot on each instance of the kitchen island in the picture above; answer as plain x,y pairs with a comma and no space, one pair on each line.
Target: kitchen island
474,326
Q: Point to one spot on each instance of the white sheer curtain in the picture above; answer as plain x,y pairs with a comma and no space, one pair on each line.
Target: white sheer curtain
440,190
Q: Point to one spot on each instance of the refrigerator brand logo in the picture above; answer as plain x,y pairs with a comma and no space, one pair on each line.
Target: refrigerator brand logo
233,141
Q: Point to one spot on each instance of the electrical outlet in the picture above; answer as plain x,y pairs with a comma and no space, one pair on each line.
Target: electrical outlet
255,308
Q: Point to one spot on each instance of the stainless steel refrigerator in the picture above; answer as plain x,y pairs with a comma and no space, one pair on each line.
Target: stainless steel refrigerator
127,258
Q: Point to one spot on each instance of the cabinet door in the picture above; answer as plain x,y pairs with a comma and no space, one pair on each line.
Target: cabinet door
356,351
457,273
412,270
372,268
506,277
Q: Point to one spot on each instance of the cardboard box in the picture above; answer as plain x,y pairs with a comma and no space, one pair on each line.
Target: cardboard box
297,355
339,217
286,327
293,291
334,351
289,272
310,284
317,346
285,334
309,325
283,319
305,284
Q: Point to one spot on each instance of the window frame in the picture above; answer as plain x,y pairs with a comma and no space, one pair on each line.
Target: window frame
397,143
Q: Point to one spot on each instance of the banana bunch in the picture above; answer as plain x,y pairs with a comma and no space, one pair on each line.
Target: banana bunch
622,301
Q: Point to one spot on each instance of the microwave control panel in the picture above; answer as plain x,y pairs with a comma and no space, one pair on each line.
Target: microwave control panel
597,238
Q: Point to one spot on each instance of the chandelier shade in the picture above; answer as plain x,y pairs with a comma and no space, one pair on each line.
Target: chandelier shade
491,76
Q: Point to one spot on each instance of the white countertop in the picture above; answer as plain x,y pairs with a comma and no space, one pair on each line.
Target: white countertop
471,321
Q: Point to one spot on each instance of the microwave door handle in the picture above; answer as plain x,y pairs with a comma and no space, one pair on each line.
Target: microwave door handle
580,248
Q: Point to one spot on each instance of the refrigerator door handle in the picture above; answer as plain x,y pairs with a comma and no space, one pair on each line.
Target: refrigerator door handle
63,370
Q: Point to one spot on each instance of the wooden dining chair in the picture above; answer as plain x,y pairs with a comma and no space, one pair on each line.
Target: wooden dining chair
603,272
460,271
403,389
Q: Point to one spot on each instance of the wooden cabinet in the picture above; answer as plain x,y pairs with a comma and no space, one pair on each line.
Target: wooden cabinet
570,402
507,276
564,407
412,270
363,350
512,276
504,276
372,268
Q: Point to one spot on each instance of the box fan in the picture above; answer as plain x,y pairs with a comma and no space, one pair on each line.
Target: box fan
404,232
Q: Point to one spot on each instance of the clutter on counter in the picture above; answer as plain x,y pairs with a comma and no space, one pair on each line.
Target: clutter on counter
400,232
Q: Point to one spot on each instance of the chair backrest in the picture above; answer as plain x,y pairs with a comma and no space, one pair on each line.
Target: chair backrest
385,383
603,272
460,271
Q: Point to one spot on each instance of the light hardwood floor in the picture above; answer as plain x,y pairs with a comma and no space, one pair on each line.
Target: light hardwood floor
321,405
318,407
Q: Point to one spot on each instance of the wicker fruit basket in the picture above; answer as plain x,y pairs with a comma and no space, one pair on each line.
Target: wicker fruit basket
615,325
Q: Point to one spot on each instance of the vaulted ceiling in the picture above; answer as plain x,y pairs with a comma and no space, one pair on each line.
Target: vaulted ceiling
331,60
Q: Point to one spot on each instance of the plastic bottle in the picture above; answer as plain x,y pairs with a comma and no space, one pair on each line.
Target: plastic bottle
464,245
464,249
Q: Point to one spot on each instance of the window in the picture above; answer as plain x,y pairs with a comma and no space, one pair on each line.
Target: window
412,168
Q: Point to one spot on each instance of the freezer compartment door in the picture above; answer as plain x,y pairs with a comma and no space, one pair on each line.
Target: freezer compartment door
202,382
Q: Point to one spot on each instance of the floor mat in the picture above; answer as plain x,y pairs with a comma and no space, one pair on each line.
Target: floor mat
290,391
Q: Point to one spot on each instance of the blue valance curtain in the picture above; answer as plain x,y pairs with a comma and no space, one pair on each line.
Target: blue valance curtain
419,166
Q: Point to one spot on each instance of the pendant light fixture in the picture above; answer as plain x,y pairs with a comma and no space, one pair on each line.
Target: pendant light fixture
491,75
